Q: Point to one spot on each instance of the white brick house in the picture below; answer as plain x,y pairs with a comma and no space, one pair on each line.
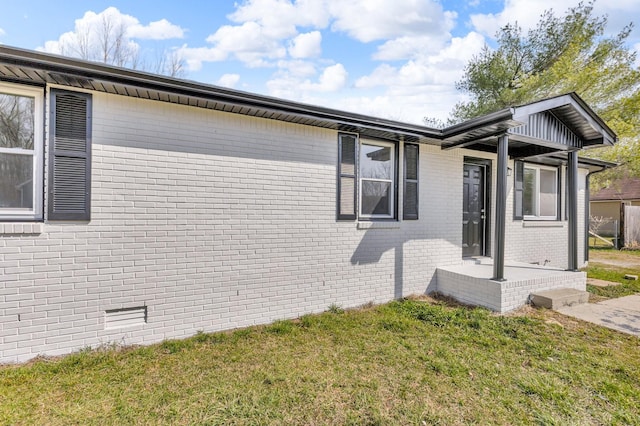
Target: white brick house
136,208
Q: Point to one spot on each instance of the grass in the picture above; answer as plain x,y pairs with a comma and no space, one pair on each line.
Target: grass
604,270
406,362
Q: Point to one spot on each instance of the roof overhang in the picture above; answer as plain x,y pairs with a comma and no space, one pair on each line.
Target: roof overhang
37,68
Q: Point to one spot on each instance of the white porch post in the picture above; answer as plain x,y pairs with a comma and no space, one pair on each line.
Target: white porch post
501,208
572,209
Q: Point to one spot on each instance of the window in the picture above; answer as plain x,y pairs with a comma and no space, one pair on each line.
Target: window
377,180
536,192
367,179
21,165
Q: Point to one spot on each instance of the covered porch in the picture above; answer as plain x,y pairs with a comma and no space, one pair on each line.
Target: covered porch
547,133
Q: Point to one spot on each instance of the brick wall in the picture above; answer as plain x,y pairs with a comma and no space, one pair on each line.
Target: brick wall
211,221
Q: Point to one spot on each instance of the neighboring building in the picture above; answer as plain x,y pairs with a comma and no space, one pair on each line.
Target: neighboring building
159,207
607,202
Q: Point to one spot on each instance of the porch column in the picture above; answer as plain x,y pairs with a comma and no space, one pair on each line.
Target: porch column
501,208
572,209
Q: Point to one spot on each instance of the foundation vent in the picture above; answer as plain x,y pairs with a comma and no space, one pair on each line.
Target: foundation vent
125,317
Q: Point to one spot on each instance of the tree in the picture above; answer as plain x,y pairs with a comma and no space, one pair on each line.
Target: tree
107,41
561,55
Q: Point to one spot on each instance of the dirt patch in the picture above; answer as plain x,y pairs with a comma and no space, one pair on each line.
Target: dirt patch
622,258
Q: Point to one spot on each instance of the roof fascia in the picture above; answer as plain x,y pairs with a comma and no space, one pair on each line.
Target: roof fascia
108,73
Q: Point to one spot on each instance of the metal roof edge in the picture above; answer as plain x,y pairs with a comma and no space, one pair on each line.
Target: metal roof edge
96,70
574,99
477,122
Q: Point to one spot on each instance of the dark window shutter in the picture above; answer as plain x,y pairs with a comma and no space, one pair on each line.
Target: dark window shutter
69,185
518,191
347,170
410,184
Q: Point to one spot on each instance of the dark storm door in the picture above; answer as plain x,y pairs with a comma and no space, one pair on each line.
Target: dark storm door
473,211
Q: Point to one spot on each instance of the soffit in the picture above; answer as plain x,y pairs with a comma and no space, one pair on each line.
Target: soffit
29,67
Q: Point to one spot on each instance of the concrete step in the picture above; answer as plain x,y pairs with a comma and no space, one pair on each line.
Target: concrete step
557,298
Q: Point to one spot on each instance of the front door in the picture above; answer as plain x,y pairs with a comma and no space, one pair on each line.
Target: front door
473,210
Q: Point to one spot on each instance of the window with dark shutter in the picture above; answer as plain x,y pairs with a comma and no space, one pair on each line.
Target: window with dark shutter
347,167
69,156
410,197
518,191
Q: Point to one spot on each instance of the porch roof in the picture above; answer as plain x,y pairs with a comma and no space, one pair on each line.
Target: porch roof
562,123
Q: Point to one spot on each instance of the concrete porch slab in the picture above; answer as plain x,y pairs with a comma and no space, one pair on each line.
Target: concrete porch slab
557,298
471,283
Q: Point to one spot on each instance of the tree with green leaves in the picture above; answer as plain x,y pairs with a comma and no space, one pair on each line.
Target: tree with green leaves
564,54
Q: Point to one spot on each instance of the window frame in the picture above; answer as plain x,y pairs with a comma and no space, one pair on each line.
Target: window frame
393,181
37,211
556,203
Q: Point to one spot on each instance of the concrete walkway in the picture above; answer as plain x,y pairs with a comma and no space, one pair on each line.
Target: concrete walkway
622,314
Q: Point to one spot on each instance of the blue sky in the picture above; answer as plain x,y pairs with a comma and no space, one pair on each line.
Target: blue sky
396,59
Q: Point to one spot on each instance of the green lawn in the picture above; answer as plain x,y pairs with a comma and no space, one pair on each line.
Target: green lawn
604,267
414,362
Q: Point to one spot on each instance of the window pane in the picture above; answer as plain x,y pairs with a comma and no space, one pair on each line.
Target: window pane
16,121
375,162
376,198
548,188
16,185
529,198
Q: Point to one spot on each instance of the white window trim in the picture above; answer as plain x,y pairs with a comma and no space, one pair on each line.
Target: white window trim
392,181
537,168
38,152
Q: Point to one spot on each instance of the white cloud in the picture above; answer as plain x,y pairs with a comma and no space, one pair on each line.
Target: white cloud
421,86
295,83
527,13
408,47
280,18
367,20
333,78
267,30
2,32
444,67
86,40
228,80
306,45
157,30
195,56
248,43
298,68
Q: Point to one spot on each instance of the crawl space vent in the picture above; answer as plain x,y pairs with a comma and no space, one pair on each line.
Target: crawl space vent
126,317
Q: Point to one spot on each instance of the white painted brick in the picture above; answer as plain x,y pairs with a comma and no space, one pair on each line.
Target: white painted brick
216,221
